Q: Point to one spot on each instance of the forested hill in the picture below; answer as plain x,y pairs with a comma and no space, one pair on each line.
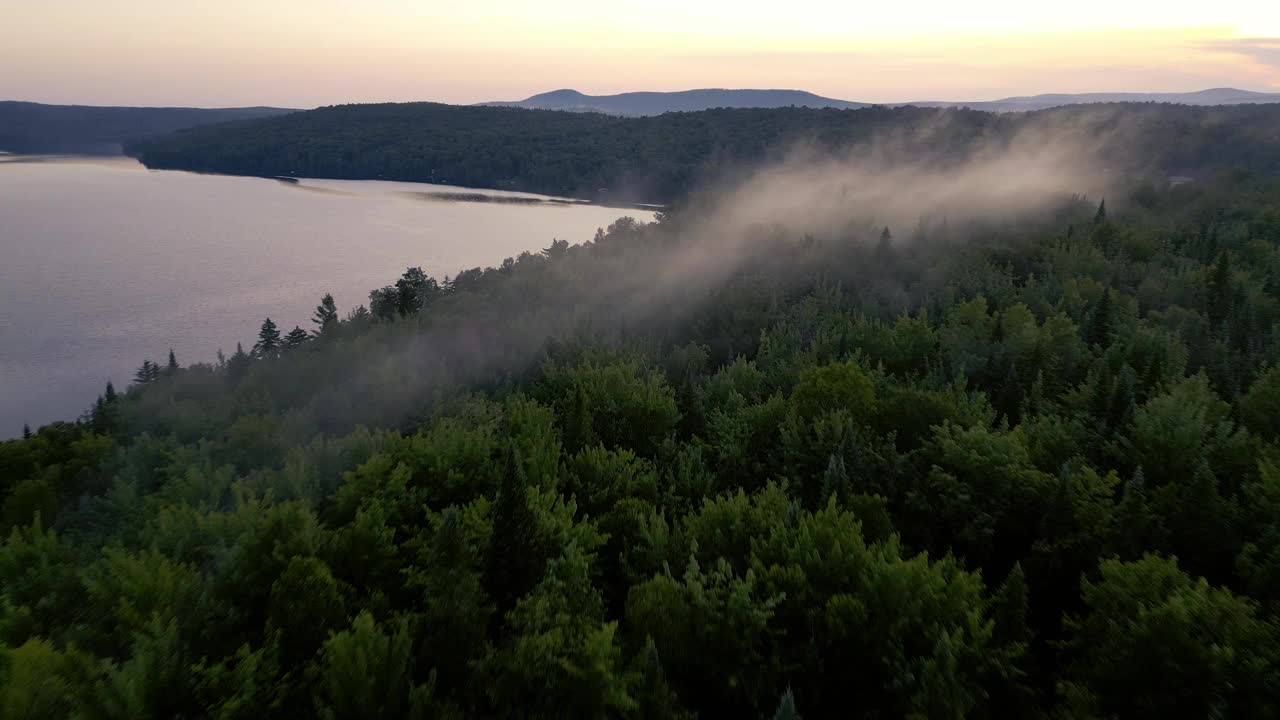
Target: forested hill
27,127
660,159
656,103
1026,466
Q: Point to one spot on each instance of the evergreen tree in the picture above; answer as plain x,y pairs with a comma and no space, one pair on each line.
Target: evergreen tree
1013,692
173,362
1009,609
578,430
559,248
414,291
1135,526
26,431
652,693
269,343
513,561
147,373
835,481
98,416
1218,302
884,248
326,315
1101,215
1098,329
296,337
787,707
238,365
384,302
110,394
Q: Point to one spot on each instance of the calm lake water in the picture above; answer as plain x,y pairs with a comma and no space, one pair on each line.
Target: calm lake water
104,263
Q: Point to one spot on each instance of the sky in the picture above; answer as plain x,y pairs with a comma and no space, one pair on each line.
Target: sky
306,53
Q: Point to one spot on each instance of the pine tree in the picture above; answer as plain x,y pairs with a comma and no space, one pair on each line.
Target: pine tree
513,561
238,365
1098,330
1135,525
884,248
1102,212
652,693
173,361
102,414
1123,399
98,416
326,316
1219,293
787,707
1009,609
1059,521
26,431
147,373
296,337
268,344
835,481
578,428
1016,693
1008,396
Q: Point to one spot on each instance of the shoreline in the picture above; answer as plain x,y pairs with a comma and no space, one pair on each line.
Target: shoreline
534,197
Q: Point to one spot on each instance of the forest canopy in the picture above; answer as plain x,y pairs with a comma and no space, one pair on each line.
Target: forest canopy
662,159
1021,463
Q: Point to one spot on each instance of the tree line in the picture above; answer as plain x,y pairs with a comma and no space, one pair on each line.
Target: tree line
663,159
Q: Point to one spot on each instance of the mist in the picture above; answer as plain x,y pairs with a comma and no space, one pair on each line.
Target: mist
806,215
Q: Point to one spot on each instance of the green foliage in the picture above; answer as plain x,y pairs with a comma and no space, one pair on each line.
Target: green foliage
661,158
943,476
269,342
841,387
787,705
325,317
1155,643
515,557
37,682
366,671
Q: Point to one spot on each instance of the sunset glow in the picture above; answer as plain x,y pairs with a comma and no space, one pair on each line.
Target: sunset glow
302,54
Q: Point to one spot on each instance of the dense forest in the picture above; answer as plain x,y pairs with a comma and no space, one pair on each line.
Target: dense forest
661,159
1022,466
32,128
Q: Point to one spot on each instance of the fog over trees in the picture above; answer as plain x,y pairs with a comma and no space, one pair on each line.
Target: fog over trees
662,159
876,439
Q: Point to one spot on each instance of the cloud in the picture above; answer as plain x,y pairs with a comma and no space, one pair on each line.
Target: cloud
1262,50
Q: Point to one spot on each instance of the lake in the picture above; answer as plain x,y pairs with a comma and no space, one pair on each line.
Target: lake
104,263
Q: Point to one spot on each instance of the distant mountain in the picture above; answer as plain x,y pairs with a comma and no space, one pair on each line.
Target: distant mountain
656,103
27,127
1215,96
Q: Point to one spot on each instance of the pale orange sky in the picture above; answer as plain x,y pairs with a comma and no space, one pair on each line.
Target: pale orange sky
303,53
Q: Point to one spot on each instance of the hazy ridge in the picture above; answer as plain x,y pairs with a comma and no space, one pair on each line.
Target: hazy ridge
27,127
656,103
